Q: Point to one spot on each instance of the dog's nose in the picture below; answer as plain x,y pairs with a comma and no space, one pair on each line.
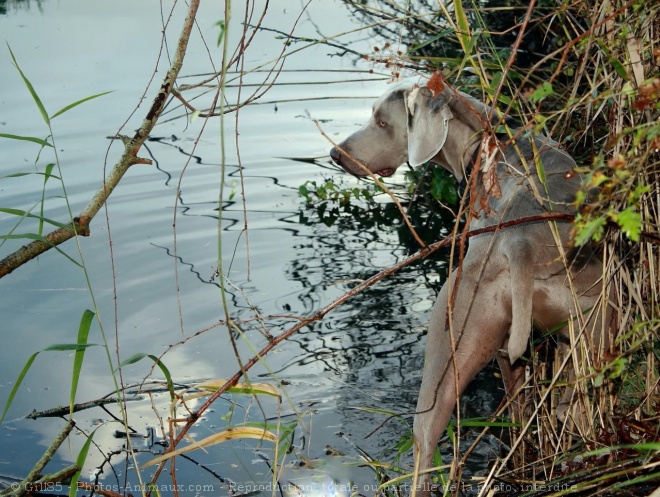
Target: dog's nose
335,155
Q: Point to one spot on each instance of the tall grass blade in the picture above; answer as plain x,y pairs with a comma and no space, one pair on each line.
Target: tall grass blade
431,40
68,347
34,139
36,237
17,384
48,171
78,102
463,25
25,214
83,334
30,88
20,175
58,347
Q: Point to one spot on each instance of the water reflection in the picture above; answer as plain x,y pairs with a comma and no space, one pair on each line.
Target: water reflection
7,5
367,353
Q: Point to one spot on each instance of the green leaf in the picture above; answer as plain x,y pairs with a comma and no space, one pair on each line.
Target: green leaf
166,372
48,172
56,347
443,186
640,189
617,367
404,445
618,67
495,81
598,380
541,92
75,104
30,88
580,197
17,384
439,36
29,236
630,222
83,334
22,213
80,462
19,175
591,229
221,34
67,347
39,141
540,170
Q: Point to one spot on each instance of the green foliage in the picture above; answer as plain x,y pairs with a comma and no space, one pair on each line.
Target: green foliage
433,182
330,191
543,91
609,180
588,229
221,31
630,222
79,356
80,462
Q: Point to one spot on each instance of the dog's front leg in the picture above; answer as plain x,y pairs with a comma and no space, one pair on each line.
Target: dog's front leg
481,316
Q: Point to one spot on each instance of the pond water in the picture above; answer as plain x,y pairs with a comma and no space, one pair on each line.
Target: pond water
152,256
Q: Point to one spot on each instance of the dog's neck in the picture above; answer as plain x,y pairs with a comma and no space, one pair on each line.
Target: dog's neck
464,133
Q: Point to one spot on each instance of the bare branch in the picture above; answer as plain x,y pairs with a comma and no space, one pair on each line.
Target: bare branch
80,225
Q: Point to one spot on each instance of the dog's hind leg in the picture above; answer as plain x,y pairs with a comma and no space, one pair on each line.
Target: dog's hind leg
481,315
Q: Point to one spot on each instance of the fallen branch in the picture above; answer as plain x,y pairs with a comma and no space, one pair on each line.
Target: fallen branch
58,412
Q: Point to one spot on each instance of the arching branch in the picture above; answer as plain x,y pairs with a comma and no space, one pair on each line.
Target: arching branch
80,225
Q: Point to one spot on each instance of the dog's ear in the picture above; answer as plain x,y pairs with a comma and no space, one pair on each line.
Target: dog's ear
428,124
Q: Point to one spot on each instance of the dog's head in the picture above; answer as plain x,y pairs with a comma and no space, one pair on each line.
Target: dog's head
408,124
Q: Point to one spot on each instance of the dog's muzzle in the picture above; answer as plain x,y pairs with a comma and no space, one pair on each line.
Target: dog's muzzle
338,158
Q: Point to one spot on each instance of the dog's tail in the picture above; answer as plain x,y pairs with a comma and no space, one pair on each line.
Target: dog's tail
521,256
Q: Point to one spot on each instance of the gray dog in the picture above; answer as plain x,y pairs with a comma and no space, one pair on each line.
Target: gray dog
510,278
